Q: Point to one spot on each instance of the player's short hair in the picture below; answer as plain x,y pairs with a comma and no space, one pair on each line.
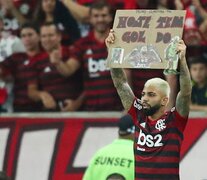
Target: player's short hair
160,84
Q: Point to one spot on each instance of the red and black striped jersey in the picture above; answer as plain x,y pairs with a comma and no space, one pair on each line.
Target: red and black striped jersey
47,77
100,92
140,76
157,144
18,66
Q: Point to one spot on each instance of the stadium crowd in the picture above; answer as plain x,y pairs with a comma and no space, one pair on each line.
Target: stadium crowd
53,55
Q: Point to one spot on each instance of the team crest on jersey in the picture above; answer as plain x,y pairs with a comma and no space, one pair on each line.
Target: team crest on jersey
160,125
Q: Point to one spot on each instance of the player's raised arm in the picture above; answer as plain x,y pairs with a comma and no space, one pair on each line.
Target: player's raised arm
184,95
119,78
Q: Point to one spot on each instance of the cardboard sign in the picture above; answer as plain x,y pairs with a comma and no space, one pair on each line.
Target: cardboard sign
146,39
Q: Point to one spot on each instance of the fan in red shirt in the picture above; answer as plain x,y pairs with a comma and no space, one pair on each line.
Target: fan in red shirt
48,85
90,53
17,65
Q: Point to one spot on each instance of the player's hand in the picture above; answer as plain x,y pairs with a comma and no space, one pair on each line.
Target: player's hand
110,39
55,56
47,100
181,49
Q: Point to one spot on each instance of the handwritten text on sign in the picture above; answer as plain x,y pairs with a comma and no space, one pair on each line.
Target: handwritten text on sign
144,22
145,38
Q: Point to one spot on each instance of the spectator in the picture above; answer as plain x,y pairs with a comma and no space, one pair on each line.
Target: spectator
16,13
195,28
80,11
115,158
9,44
90,53
18,66
198,70
48,85
54,11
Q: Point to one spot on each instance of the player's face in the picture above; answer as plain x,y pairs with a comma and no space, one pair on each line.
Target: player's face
198,72
101,19
152,100
50,38
30,38
48,6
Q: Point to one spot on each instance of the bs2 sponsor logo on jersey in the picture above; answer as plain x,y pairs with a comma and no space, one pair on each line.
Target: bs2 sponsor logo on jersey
149,140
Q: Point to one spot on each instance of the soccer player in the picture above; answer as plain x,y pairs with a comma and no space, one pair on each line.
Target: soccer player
159,133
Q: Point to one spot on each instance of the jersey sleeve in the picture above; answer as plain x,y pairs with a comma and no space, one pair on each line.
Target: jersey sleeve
180,121
135,109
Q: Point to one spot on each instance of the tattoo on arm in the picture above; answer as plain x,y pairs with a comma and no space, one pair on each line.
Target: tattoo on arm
184,96
123,88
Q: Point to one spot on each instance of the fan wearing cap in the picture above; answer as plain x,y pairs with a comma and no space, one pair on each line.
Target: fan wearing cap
116,158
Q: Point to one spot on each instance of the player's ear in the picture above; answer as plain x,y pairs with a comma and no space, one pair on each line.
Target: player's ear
164,101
